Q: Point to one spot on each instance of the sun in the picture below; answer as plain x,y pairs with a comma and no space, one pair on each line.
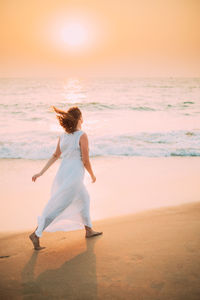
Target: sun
75,34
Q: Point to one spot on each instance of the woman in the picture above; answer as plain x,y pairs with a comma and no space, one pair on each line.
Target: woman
68,206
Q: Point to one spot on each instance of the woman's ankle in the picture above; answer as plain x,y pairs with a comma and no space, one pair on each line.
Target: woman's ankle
88,228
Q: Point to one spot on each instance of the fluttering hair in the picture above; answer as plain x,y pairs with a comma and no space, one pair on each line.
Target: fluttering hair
68,119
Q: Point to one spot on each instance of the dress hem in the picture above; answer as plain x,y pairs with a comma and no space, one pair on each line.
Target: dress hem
77,226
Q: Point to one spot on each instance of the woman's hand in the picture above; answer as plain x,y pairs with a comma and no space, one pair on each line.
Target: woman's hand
36,176
93,178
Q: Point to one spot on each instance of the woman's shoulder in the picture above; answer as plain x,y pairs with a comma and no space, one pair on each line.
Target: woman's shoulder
82,133
82,136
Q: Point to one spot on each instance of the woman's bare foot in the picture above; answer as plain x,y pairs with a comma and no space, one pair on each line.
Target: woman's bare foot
36,242
91,233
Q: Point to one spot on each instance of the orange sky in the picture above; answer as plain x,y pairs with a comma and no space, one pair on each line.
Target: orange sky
124,37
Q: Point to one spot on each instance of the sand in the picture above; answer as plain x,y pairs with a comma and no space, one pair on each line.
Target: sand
150,247
148,255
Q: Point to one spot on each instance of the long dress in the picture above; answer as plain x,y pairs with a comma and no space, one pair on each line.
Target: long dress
69,205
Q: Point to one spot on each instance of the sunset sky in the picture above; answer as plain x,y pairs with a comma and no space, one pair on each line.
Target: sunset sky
146,37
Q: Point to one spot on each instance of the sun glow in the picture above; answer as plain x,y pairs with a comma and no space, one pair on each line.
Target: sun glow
74,34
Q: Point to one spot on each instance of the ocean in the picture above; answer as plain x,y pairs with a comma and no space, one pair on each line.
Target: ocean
151,117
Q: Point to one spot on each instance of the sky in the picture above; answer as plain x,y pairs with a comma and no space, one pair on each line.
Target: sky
104,37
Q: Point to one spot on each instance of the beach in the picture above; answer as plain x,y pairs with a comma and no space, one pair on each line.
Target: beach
150,243
144,148
126,74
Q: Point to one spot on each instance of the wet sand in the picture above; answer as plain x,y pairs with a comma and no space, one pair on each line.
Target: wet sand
148,255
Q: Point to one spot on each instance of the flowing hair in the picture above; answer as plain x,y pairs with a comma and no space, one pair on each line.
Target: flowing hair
68,119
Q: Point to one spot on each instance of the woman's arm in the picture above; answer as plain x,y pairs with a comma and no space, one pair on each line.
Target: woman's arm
85,155
53,158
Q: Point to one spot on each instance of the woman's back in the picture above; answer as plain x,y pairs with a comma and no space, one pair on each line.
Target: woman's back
69,144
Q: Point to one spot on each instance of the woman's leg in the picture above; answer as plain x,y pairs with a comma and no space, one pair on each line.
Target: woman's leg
36,241
85,212
35,238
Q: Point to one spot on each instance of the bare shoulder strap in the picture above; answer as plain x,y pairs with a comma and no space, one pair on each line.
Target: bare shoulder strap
80,133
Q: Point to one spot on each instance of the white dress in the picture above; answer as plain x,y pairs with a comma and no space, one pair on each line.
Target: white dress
69,205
